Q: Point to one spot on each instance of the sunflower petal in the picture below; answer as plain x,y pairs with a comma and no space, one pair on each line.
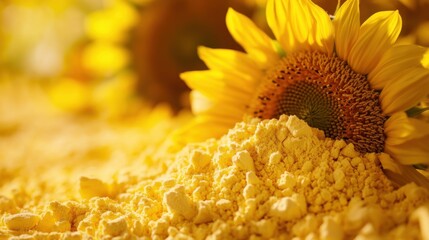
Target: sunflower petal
226,110
415,151
397,128
260,47
202,128
300,25
405,90
200,103
213,85
402,174
400,128
376,35
231,62
276,17
346,25
407,139
396,60
204,81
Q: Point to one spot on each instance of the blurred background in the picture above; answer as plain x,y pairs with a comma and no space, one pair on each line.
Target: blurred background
110,57
114,59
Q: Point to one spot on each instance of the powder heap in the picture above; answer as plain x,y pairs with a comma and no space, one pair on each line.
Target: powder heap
264,179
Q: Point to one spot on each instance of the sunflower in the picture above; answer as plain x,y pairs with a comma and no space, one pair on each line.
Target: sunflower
346,78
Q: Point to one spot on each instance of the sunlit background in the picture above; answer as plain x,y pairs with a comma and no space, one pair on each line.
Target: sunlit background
108,57
118,60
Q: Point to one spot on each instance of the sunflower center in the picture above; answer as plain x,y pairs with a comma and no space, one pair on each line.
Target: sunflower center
326,93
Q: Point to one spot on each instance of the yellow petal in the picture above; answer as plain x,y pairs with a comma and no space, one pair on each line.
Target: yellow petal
414,151
232,63
425,59
397,128
259,46
407,139
405,90
346,24
276,20
216,86
400,128
376,35
201,128
200,103
300,25
401,174
204,81
322,29
233,110
397,59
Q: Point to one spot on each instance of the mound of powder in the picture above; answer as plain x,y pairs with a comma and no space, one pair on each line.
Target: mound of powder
264,179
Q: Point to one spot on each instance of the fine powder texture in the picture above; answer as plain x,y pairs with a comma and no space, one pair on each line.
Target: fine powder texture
265,179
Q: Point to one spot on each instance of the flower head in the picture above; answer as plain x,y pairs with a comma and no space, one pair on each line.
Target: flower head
346,78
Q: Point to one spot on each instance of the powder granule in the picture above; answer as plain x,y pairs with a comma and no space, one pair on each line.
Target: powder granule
264,179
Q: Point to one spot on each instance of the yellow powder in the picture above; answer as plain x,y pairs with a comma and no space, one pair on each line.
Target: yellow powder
265,179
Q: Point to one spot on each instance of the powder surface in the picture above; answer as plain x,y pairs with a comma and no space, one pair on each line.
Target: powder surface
264,179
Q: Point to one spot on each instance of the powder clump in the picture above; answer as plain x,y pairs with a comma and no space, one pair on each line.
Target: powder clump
265,179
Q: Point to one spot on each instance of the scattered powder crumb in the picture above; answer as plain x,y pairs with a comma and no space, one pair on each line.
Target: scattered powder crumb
265,179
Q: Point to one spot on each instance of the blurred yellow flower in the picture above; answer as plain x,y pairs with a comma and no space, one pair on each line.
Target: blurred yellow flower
70,95
347,79
111,23
113,94
99,63
105,59
110,98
